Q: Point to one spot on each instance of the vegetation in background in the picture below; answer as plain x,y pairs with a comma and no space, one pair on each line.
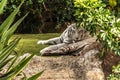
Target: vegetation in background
113,6
50,14
7,28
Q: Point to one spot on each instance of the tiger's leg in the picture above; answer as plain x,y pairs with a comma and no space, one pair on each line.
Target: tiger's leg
51,50
51,41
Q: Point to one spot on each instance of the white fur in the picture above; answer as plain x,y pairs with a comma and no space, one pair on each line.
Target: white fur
68,36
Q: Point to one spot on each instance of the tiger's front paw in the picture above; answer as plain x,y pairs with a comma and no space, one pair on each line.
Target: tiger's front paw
41,42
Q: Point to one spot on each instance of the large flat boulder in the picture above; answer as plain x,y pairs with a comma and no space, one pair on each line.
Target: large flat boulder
85,66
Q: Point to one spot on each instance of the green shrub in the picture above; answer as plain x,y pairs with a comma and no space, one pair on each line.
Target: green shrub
92,15
115,73
100,22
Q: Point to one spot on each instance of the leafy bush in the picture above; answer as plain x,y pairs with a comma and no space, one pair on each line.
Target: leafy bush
7,28
113,6
115,73
44,13
100,22
92,15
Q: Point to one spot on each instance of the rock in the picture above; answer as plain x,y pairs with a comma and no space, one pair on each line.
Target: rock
85,66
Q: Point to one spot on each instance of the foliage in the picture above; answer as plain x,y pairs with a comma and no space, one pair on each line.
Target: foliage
34,77
92,15
113,6
51,14
2,5
112,3
43,12
115,73
7,28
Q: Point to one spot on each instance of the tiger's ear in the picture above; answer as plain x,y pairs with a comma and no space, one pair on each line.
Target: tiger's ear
68,24
74,27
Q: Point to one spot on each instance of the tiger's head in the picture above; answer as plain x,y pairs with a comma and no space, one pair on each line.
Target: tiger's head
70,35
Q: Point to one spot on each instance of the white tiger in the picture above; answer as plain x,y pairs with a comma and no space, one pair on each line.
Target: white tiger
70,35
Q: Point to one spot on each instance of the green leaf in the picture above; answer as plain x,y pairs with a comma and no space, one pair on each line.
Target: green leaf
34,77
17,69
6,36
5,62
102,53
12,64
6,24
1,46
25,77
2,5
8,50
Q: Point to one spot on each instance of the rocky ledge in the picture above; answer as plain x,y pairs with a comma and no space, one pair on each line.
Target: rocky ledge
85,66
